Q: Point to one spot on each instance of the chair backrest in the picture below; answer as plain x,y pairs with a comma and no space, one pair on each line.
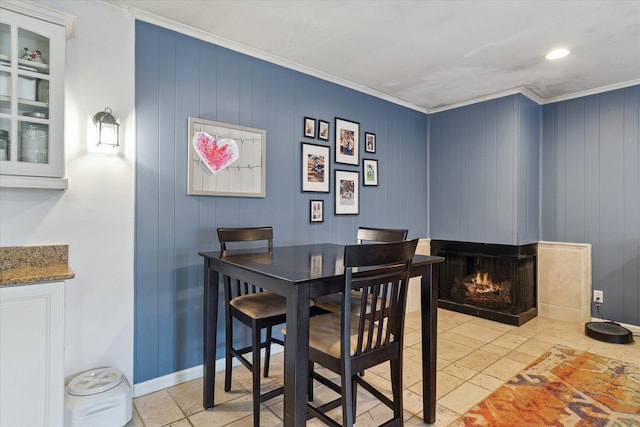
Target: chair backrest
233,287
251,234
370,234
381,273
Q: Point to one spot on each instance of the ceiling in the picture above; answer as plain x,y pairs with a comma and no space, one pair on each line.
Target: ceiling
429,55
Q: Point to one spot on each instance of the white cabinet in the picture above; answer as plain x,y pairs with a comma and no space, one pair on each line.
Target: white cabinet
32,69
32,355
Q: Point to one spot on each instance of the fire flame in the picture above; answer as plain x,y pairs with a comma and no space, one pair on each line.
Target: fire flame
482,283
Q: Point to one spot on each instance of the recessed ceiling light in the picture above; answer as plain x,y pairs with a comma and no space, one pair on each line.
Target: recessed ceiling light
557,53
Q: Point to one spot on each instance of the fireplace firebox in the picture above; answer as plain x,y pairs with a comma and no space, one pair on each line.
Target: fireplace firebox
496,282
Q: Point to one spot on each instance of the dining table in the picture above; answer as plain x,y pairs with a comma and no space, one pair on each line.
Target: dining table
301,273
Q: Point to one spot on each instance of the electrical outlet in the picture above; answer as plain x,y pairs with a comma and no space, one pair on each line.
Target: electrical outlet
598,296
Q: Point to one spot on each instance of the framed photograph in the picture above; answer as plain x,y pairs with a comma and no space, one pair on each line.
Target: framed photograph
370,142
347,142
347,193
323,130
369,172
225,159
316,210
315,168
309,127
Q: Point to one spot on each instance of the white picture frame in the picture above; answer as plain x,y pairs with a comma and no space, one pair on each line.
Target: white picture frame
225,159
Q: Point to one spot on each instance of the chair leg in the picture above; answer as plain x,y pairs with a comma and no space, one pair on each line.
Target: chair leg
267,352
348,415
310,383
354,394
228,357
396,387
255,363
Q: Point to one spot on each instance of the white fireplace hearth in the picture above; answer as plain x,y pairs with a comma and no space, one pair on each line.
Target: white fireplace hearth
564,281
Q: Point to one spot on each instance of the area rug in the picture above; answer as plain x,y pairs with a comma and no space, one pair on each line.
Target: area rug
564,387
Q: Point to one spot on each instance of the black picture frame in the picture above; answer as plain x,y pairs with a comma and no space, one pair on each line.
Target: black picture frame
309,127
323,130
316,211
347,194
369,172
369,142
347,140
315,168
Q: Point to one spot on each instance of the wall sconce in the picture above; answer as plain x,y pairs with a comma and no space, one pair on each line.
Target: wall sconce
108,129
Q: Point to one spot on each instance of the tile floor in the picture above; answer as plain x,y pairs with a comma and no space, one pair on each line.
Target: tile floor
475,357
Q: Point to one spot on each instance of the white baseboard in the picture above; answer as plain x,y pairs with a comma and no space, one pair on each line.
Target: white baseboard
183,376
170,380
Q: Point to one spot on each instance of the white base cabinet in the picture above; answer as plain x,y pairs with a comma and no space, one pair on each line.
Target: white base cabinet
32,355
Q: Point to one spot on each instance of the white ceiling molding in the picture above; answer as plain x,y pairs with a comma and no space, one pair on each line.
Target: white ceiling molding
142,15
43,13
444,55
592,91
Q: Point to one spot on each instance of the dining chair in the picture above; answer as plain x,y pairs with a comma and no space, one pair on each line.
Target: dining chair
347,343
255,308
370,234
331,303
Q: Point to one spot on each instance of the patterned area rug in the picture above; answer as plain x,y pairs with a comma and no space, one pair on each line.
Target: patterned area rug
564,387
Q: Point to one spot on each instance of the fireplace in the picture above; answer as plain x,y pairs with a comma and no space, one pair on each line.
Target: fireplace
496,282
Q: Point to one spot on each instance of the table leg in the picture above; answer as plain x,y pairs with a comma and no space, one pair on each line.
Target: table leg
210,332
429,312
296,357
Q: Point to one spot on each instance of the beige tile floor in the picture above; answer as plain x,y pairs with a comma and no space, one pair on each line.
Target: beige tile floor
475,357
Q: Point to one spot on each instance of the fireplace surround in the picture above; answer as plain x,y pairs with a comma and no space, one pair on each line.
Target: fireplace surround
492,281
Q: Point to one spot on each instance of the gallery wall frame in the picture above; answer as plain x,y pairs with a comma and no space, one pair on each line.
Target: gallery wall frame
309,127
370,142
369,172
315,168
323,130
347,140
316,211
347,192
225,159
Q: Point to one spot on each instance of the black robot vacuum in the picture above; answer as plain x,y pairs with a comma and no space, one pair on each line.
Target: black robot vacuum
610,332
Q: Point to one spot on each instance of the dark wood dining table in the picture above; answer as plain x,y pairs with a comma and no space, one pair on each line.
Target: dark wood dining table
299,273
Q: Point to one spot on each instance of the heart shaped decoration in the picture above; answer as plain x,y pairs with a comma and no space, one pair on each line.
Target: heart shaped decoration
216,155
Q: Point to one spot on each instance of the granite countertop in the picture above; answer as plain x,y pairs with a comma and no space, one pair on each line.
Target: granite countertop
23,265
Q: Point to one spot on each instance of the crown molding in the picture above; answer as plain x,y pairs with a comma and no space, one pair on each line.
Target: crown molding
44,13
594,91
259,54
489,97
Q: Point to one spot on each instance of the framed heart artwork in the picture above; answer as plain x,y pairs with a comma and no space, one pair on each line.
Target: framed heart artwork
226,159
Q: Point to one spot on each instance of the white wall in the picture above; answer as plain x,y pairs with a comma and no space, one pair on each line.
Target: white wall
95,216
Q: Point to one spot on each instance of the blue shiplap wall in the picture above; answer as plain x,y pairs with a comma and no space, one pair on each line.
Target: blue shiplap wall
178,76
502,171
484,165
590,174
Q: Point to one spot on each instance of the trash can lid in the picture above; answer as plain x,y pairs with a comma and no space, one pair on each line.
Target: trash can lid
95,381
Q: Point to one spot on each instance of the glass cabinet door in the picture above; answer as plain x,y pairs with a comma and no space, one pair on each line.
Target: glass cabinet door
31,96
5,92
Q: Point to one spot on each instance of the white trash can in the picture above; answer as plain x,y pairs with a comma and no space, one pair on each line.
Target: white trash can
99,397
